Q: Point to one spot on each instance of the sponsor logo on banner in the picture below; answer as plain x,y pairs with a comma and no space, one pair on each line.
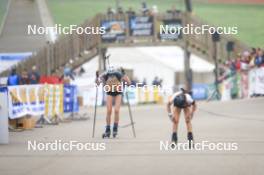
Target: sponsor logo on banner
226,89
170,29
259,81
141,25
89,95
251,82
70,99
115,30
53,100
25,100
243,85
199,91
131,93
14,56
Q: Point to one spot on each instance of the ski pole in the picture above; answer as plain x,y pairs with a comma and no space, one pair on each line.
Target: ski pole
108,60
95,105
130,115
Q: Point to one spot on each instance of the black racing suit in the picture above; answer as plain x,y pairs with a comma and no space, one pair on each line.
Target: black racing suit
116,74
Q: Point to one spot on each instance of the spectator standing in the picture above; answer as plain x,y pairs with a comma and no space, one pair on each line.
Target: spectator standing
233,65
13,79
238,63
144,8
156,81
245,61
68,72
34,76
134,81
24,77
154,10
130,12
110,11
120,10
259,60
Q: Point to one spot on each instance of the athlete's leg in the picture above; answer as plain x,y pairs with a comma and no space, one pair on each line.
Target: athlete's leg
109,100
187,115
118,100
108,116
176,118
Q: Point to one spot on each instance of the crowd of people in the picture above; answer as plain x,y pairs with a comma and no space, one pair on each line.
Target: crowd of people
145,10
26,77
33,76
244,62
155,82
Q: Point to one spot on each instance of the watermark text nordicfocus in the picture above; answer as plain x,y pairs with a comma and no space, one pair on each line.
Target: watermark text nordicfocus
199,146
58,29
190,29
59,145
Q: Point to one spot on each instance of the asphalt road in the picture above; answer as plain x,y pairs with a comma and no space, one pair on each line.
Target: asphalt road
240,122
14,37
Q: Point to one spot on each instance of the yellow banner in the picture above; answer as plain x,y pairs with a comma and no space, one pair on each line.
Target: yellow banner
53,100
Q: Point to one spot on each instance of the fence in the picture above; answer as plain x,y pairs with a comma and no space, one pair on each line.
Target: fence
42,99
243,84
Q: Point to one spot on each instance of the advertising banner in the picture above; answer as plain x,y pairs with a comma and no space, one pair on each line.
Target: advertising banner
115,30
199,91
53,100
70,99
50,80
4,136
14,56
259,84
251,82
132,96
141,25
226,87
243,84
141,95
89,95
25,100
256,82
170,29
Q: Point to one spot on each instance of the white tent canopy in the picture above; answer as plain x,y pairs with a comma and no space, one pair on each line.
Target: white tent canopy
173,57
147,62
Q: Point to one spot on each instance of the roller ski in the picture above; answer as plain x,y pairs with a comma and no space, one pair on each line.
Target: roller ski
115,133
190,140
115,130
107,133
174,140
